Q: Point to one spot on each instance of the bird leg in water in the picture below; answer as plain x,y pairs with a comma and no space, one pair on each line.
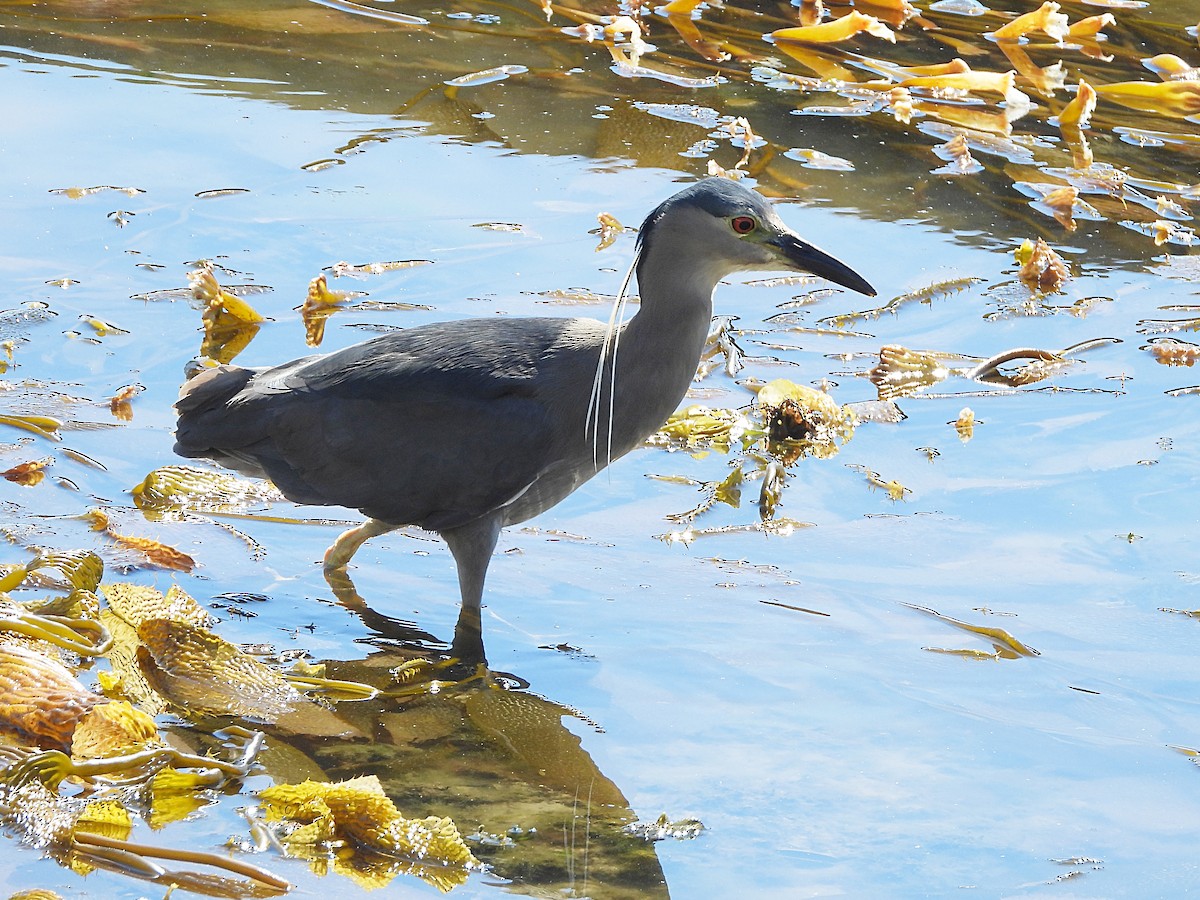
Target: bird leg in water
472,546
347,544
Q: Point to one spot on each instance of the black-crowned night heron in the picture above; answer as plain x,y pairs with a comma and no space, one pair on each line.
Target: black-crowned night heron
465,427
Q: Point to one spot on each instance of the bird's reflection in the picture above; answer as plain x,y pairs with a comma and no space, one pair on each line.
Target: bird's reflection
464,654
449,736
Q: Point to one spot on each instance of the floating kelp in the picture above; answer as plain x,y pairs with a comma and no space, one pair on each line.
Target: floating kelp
362,270
901,372
70,623
721,343
154,552
1172,352
90,833
727,491
359,815
789,422
778,527
177,488
76,193
120,404
965,424
1164,231
895,490
230,323
839,29
487,76
815,159
1175,99
1078,112
201,674
43,426
1006,646
803,421
701,428
926,295
1042,269
40,697
1060,201
82,569
610,228
319,305
29,473
957,154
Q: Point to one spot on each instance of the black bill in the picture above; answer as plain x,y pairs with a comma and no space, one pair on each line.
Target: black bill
815,260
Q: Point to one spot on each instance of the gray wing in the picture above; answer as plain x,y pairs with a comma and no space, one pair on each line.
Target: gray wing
432,426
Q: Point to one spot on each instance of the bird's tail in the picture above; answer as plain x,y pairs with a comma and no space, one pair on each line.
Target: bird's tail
202,402
211,387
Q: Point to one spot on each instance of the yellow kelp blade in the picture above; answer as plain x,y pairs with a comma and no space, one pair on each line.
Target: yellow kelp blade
175,795
105,817
841,29
134,604
218,303
1170,67
113,729
1177,99
156,553
202,674
40,697
189,487
971,81
318,306
965,424
902,372
360,813
28,474
1091,26
230,323
1006,645
698,427
1045,18
43,426
83,569
130,605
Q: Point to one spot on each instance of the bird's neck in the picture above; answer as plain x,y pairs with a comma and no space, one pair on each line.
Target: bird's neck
660,347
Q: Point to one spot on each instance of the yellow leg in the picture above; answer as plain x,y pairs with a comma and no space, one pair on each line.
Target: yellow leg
347,544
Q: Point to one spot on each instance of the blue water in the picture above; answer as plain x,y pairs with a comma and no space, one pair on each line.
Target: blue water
826,755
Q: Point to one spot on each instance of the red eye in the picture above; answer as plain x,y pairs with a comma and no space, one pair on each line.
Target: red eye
742,224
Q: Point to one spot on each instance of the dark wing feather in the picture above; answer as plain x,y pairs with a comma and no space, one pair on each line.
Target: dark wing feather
433,426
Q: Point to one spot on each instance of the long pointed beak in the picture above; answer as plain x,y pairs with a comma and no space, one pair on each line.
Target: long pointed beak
812,259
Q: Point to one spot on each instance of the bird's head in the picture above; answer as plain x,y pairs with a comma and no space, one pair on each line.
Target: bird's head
721,227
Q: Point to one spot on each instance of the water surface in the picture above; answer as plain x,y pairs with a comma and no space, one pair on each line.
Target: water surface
777,689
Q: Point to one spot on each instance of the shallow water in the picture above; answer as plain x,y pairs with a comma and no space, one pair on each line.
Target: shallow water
777,689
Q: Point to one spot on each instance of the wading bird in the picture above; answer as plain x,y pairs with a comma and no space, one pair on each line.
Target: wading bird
465,427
